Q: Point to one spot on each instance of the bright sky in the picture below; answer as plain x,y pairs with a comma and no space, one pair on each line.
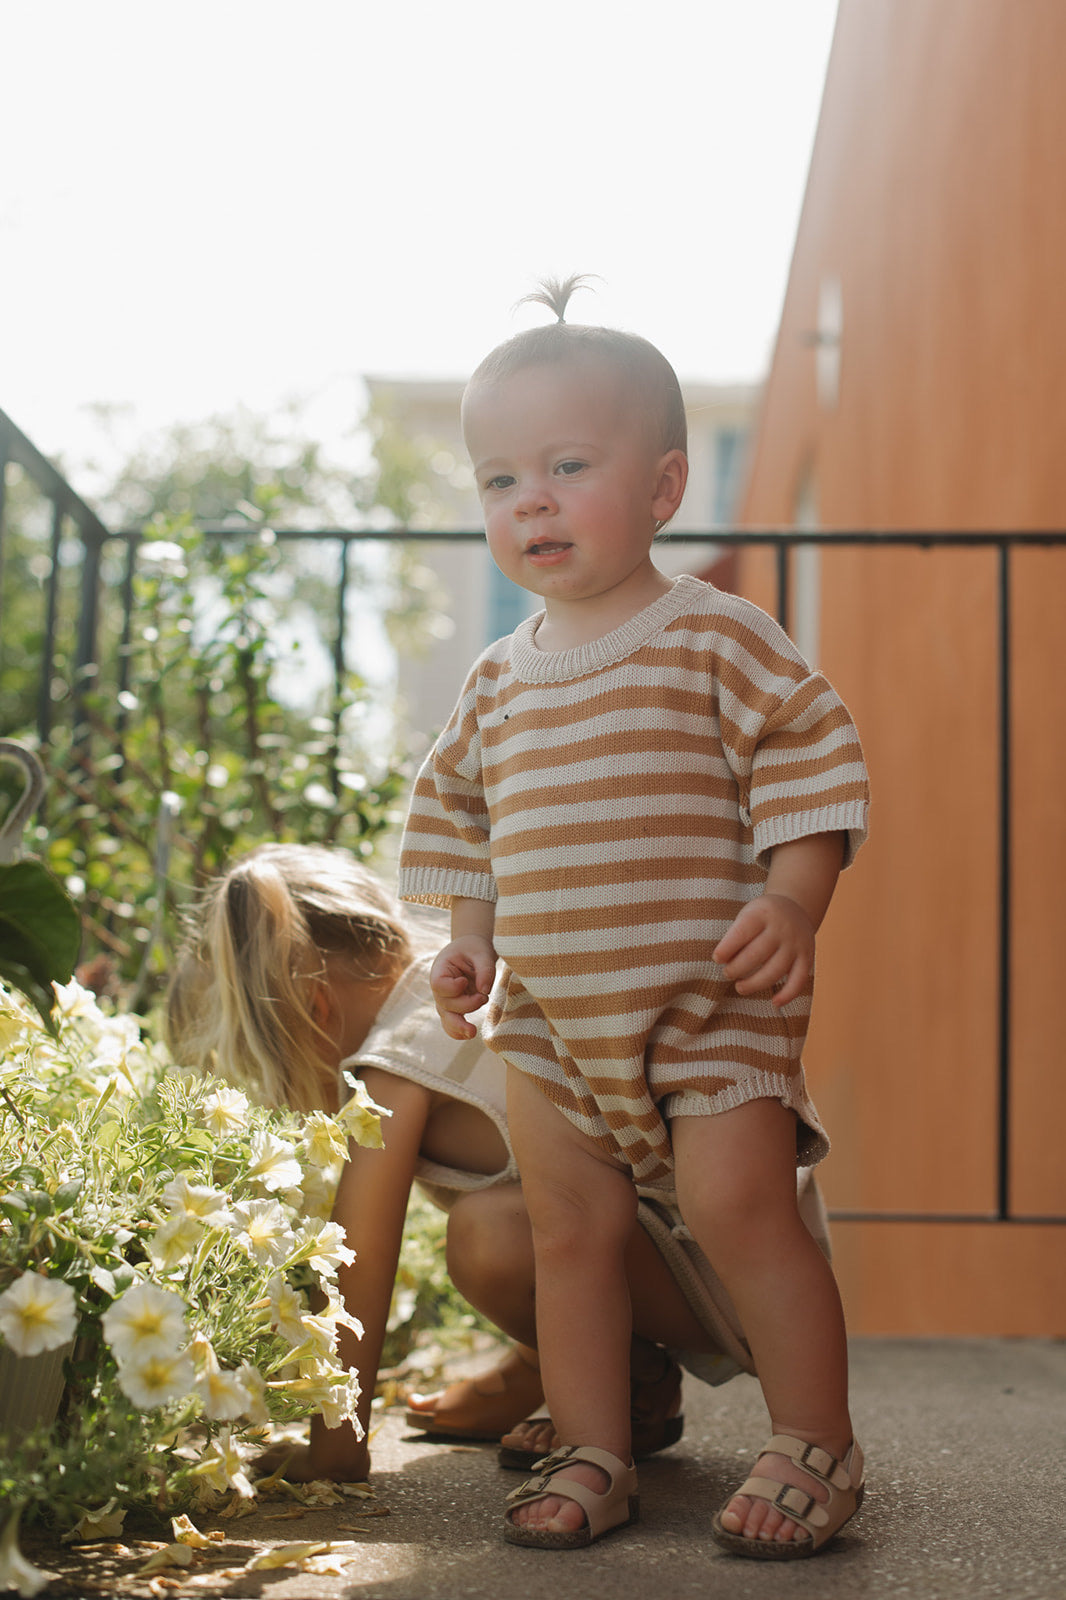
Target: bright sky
225,201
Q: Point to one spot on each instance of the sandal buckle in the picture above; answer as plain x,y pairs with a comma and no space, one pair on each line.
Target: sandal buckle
821,1469
792,1509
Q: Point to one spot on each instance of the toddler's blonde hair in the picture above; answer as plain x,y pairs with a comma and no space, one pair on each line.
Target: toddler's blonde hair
642,368
265,935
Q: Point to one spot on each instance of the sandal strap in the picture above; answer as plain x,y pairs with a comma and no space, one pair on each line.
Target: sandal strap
842,1479
564,1456
791,1501
837,1474
590,1500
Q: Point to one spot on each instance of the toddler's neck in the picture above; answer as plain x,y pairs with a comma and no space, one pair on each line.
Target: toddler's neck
567,625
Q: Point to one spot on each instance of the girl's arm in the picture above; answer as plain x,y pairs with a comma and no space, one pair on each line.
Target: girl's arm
371,1205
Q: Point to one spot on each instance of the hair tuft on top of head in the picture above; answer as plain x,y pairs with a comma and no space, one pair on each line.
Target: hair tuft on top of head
555,292
644,371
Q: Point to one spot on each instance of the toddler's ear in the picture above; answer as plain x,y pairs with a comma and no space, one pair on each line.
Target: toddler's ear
673,476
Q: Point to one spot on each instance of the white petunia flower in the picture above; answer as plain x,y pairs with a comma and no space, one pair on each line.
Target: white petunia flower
334,1392
324,1142
319,1191
16,1573
262,1230
225,1111
38,1314
221,1466
119,1051
360,1117
197,1200
337,1313
223,1394
273,1162
74,1001
143,1321
155,1378
174,1241
256,1389
287,1312
341,1405
322,1245
13,1024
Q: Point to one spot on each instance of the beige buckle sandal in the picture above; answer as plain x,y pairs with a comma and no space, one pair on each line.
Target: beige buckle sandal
615,1507
822,1519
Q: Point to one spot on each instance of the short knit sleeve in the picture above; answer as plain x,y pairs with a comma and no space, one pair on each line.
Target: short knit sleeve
789,740
445,850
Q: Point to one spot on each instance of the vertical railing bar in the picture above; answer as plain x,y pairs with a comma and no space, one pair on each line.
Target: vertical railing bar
1003,643
85,662
340,657
51,622
782,552
125,647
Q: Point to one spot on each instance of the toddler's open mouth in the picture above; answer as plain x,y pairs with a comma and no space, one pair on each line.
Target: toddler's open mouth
547,547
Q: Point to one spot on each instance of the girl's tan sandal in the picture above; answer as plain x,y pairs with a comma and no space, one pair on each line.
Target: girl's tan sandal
615,1507
481,1407
822,1519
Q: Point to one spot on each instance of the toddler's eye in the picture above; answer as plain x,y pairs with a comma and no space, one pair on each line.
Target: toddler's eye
569,469
502,480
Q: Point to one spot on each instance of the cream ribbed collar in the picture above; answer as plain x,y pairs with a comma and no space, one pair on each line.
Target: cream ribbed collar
531,665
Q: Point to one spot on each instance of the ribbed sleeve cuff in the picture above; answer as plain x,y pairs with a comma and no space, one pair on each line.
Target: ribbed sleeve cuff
430,886
849,818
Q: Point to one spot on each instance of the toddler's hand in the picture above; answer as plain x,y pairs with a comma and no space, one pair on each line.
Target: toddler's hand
461,979
771,942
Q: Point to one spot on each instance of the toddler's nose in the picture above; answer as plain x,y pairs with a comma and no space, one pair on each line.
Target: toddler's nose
535,500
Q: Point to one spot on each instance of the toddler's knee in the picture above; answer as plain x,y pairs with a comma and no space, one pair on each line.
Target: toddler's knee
568,1223
738,1215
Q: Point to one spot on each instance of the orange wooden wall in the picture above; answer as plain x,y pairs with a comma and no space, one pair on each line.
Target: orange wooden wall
936,197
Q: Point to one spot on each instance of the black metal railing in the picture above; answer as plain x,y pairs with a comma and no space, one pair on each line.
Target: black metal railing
783,542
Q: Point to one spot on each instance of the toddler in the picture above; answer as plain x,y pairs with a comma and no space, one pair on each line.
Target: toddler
640,808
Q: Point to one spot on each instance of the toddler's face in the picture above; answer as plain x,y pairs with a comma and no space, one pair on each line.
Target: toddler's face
571,483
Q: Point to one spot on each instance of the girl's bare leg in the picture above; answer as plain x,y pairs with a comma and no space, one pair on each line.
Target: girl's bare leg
582,1208
737,1192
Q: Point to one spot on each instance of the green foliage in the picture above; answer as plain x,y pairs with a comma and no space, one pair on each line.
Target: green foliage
40,933
204,731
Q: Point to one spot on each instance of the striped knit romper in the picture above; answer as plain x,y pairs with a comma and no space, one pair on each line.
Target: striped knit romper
619,802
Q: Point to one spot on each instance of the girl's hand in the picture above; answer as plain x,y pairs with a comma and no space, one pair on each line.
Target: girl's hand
771,943
461,979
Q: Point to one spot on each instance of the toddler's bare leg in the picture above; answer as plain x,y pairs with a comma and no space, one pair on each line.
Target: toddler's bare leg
736,1186
582,1208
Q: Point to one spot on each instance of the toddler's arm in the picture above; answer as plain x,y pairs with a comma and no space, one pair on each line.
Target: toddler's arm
462,975
772,940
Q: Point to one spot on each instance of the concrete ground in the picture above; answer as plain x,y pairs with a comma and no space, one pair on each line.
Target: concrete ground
966,1451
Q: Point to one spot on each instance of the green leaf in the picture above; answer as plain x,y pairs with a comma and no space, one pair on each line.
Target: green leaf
40,930
18,976
67,1193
